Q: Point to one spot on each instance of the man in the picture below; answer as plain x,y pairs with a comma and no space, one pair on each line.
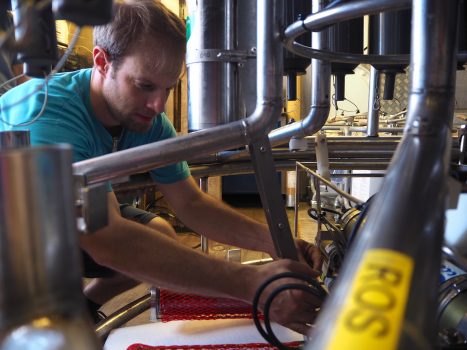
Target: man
119,104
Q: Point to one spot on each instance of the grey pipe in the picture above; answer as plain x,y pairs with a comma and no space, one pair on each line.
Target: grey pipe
373,104
204,241
286,165
320,102
122,316
403,232
41,300
338,147
362,129
212,33
346,11
240,133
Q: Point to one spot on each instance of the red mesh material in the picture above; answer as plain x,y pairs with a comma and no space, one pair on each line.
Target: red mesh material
251,346
174,306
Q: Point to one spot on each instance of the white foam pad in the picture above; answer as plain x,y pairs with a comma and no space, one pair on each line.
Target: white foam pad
203,332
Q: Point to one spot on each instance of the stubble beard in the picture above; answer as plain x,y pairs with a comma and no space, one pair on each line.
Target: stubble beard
127,119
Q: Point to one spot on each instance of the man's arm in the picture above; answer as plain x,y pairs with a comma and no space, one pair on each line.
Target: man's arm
215,219
146,255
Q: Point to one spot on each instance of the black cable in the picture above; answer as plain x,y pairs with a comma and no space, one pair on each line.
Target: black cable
313,213
314,287
357,110
332,211
364,210
336,106
267,322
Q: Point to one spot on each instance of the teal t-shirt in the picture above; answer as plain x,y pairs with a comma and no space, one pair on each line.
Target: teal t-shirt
69,118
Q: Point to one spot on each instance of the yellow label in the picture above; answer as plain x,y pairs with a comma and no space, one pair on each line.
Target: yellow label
371,317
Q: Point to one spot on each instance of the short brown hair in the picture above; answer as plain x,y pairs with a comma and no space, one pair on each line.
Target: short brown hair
137,20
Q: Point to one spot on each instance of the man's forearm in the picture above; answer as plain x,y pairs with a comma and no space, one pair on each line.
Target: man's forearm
142,253
217,221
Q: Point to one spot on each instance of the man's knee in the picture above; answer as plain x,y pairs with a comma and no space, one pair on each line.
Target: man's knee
147,218
163,226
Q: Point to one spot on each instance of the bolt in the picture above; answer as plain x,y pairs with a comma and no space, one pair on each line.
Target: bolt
281,225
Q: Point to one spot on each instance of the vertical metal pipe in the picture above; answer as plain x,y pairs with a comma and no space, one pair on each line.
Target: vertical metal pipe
317,185
40,295
373,104
270,56
398,250
211,81
246,41
14,139
320,91
203,185
297,201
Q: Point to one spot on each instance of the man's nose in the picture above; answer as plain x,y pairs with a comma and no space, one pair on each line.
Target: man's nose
156,101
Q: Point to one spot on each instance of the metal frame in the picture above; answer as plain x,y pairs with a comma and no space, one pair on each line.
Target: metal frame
414,190
271,198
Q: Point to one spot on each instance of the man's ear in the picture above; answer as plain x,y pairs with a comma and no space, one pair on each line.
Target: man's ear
101,60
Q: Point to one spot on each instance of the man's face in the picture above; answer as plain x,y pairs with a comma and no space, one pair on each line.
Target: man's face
137,91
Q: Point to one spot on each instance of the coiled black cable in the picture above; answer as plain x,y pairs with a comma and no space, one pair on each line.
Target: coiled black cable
314,288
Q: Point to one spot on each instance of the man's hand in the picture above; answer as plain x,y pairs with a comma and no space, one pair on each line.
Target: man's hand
295,309
309,253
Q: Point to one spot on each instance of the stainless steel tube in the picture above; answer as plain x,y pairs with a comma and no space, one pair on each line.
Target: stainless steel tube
346,11
122,316
320,100
41,301
211,91
14,139
399,247
284,165
373,104
340,147
204,241
240,133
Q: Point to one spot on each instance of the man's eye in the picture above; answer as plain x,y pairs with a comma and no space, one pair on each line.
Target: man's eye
147,87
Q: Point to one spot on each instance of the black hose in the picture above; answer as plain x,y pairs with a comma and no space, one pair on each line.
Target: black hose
314,288
363,212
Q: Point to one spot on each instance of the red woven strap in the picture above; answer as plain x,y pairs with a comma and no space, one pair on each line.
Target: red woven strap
174,306
252,346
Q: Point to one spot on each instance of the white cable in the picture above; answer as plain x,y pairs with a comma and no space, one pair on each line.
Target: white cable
67,53
4,85
44,104
44,85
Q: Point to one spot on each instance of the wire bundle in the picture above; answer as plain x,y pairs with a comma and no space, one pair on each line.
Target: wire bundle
313,287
